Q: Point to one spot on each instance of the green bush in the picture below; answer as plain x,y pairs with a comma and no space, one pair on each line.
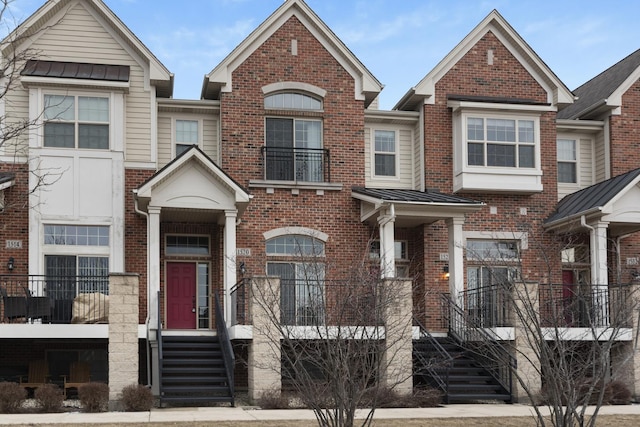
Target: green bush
136,397
49,398
12,395
94,397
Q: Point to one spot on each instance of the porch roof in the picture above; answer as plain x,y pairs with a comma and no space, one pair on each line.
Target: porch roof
412,207
613,200
192,184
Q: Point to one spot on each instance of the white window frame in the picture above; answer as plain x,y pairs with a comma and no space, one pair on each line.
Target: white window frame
111,123
576,150
517,143
174,136
395,153
474,178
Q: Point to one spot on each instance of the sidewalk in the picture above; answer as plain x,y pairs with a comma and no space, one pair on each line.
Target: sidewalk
251,414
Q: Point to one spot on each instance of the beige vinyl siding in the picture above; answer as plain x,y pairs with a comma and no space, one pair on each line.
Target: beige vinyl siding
600,160
417,158
405,178
210,137
164,139
585,164
97,45
16,104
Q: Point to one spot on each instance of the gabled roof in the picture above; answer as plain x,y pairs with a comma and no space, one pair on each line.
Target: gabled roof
224,184
592,199
604,90
219,79
424,91
160,76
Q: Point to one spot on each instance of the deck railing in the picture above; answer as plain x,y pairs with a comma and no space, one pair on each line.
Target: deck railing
54,299
585,306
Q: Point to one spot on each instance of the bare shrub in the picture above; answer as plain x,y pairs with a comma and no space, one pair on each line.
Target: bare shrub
273,399
12,395
619,393
49,398
136,398
94,397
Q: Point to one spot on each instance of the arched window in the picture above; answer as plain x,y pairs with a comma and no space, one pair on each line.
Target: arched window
295,245
292,101
301,282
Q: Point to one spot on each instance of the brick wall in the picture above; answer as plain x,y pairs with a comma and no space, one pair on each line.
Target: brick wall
506,77
243,122
14,220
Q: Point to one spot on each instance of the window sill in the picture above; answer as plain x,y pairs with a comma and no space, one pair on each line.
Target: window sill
299,185
498,181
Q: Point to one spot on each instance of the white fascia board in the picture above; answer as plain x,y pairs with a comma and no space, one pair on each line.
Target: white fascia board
83,83
615,99
464,105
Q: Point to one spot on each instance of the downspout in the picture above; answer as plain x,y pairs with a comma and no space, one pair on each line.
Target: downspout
146,320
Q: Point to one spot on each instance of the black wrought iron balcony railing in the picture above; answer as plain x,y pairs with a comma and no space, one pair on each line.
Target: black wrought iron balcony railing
296,164
489,306
586,306
54,299
314,303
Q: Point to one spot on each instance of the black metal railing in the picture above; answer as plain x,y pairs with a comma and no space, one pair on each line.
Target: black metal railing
439,363
483,344
296,164
227,349
240,303
585,306
489,306
54,299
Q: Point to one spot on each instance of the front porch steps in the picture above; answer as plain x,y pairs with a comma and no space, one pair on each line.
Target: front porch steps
468,382
192,371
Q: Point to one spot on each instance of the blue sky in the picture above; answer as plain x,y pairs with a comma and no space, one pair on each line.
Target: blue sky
399,41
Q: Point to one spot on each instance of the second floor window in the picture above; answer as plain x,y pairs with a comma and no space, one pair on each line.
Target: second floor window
76,122
501,142
385,153
294,150
567,161
186,135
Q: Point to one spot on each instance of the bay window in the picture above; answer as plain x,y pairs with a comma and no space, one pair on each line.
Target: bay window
500,142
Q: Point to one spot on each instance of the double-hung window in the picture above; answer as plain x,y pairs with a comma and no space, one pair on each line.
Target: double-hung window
186,135
501,142
302,301
567,161
385,153
73,121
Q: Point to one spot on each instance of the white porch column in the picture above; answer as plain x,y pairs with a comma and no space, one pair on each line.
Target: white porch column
599,271
230,217
153,281
386,222
456,259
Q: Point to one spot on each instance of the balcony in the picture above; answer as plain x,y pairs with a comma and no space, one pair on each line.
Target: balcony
322,303
306,165
54,300
558,306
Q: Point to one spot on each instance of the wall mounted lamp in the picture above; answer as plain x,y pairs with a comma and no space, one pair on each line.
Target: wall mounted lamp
11,264
445,271
243,268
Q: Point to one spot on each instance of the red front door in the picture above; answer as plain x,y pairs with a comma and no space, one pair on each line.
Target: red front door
181,295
